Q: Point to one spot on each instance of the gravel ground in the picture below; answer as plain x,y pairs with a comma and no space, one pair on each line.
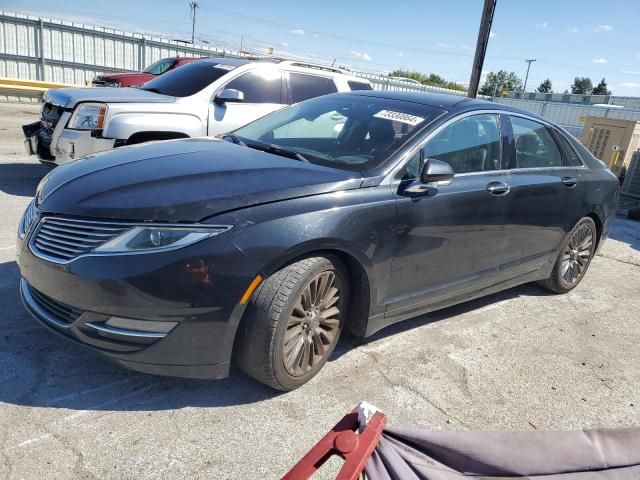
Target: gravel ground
521,359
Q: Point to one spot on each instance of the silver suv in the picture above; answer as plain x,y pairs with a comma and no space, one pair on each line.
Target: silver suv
208,97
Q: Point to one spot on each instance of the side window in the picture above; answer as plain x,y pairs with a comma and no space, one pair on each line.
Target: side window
411,170
535,148
304,87
353,85
572,159
259,86
471,144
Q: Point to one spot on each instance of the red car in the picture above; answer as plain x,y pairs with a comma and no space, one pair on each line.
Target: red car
136,79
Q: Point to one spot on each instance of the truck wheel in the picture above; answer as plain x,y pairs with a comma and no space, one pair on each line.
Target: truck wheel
574,259
293,322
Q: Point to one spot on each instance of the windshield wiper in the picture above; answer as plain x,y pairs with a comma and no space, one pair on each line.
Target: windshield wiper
154,90
234,139
277,150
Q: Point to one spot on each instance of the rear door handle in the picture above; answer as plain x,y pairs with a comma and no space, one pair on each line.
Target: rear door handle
569,182
498,188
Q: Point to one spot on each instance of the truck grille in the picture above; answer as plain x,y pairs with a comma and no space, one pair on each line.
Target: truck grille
50,117
60,311
61,239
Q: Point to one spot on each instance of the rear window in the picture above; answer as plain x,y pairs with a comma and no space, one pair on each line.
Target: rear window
359,85
187,80
304,87
572,157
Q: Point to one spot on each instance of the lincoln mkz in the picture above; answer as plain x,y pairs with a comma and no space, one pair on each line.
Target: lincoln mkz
353,211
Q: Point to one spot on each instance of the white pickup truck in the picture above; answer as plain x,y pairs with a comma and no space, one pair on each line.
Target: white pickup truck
204,98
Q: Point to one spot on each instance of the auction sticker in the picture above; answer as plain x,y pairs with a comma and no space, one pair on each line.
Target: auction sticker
223,66
412,120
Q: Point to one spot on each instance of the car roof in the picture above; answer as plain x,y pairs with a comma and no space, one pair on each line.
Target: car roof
448,102
294,65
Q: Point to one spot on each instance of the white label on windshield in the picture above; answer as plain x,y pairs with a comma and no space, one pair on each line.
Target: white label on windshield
399,117
222,66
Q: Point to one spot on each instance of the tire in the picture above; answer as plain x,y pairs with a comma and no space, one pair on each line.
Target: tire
574,259
283,318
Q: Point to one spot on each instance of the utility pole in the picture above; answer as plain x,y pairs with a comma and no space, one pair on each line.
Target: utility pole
526,77
193,6
481,47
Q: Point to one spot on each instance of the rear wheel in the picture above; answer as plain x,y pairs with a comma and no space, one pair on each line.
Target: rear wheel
293,322
574,259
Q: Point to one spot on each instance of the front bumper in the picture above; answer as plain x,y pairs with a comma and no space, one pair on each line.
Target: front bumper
197,291
62,145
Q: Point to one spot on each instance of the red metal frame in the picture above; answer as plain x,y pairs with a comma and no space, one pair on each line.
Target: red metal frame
342,440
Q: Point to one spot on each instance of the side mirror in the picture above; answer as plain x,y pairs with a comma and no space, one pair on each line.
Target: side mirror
434,173
229,95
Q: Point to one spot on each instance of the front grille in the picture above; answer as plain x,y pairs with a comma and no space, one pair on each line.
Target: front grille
62,239
28,219
60,311
50,117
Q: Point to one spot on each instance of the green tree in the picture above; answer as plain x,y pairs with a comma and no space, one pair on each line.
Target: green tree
545,87
501,82
432,79
582,85
601,89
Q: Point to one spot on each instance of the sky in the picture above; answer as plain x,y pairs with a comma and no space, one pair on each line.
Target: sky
567,39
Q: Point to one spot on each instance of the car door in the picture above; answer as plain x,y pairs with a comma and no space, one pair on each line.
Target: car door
546,191
263,93
452,239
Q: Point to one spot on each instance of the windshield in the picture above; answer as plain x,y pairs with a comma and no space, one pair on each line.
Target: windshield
160,66
187,80
343,131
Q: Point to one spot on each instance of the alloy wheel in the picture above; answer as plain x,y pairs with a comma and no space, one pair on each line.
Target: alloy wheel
577,254
313,326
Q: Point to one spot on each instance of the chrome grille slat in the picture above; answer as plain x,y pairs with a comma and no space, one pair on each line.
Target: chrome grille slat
84,226
77,232
49,249
61,239
45,243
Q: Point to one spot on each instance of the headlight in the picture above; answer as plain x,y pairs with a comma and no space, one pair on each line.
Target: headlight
153,239
88,116
112,83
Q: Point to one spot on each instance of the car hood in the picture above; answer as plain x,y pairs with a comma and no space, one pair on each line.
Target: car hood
182,181
124,76
70,97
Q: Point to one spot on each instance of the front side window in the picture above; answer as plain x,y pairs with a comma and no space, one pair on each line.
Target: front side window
535,148
304,87
259,86
471,144
350,132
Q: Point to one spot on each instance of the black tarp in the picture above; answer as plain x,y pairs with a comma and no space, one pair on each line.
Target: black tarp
415,454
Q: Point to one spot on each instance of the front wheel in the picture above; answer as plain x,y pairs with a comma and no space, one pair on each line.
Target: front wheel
574,259
293,322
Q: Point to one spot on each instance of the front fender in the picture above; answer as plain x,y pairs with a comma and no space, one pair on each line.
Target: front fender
123,125
359,223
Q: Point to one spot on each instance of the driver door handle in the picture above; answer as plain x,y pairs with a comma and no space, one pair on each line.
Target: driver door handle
498,188
569,182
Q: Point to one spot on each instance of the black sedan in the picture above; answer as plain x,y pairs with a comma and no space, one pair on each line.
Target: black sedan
350,210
